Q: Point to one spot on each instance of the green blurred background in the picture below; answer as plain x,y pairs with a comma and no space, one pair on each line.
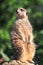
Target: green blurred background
7,18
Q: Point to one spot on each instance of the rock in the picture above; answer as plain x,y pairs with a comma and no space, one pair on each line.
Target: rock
14,62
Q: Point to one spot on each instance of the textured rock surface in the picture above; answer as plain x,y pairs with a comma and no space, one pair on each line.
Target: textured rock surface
17,63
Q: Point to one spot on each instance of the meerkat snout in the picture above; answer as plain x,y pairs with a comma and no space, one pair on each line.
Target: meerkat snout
16,11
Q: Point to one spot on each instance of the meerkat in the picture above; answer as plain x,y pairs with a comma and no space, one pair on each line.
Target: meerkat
22,37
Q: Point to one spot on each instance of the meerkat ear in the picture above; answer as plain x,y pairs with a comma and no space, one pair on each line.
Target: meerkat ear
26,13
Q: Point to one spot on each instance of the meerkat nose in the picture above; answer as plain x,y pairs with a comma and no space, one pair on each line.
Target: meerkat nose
16,11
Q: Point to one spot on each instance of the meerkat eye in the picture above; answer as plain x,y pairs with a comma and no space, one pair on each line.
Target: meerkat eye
21,9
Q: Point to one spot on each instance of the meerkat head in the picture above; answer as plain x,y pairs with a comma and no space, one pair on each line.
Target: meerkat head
21,13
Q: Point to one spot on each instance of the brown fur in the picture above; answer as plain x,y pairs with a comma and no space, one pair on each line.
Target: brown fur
22,37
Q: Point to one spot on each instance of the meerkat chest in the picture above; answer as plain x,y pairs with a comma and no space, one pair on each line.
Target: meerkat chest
25,24
24,28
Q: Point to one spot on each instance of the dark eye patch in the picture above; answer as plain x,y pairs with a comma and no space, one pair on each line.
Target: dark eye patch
22,9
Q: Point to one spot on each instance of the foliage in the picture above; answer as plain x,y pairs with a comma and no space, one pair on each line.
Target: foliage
7,18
